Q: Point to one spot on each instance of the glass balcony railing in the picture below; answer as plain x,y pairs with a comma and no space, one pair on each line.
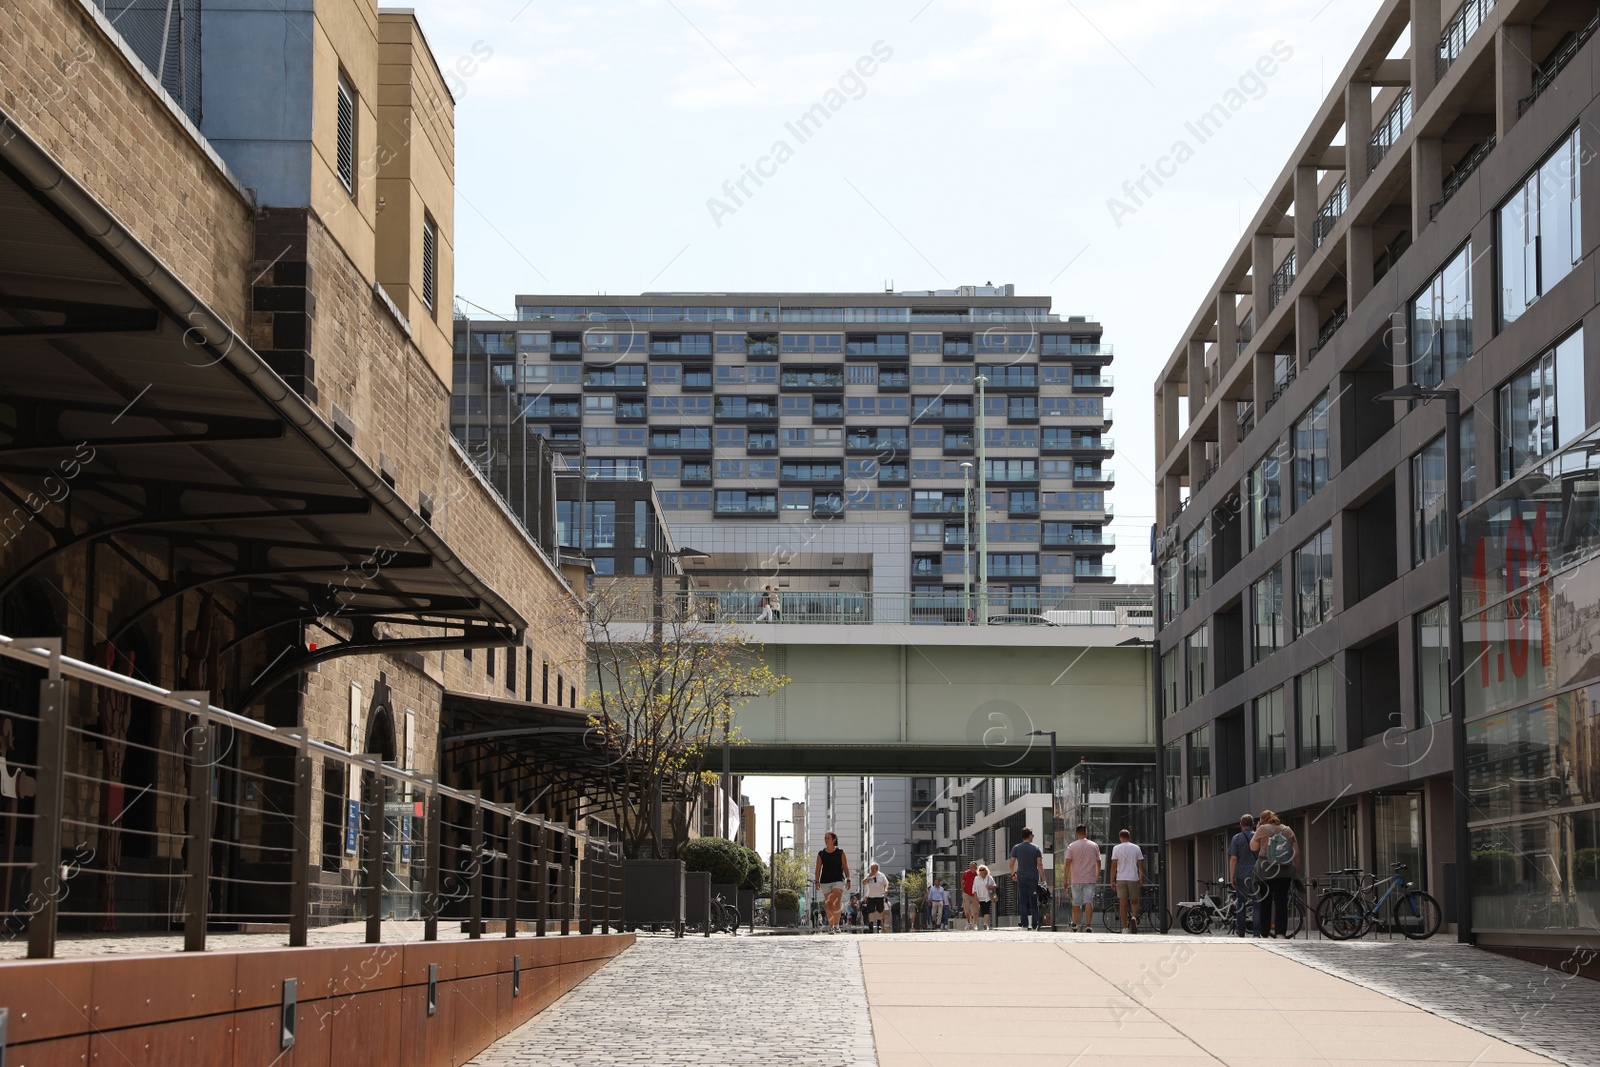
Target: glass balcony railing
946,608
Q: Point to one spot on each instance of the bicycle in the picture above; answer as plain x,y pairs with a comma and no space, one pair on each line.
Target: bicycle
1297,905
1150,910
1206,914
724,916
1345,914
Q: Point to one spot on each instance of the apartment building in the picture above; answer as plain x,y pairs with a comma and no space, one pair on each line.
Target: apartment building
1430,229
826,443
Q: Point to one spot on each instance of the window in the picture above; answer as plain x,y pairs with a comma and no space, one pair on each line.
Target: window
599,405
1469,458
1429,519
1171,682
1441,322
600,524
641,565
345,160
1542,408
1311,452
1169,587
605,566
1266,607
1200,764
641,524
430,262
1315,691
1433,665
1197,655
1270,751
1313,581
1172,773
1196,574
1540,231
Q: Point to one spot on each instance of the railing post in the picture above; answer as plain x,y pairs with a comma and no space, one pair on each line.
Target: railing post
431,856
48,803
300,877
475,919
513,875
376,853
569,870
202,754
542,888
605,916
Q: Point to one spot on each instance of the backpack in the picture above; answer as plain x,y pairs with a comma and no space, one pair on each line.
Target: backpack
1276,859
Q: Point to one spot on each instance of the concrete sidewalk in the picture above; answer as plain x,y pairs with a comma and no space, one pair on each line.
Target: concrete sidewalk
1082,1003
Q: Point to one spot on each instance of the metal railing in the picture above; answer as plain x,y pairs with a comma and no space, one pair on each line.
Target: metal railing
1329,214
1461,28
1388,129
1460,173
1329,328
1557,63
158,812
1282,280
744,606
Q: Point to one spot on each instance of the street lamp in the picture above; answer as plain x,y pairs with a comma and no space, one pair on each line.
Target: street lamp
966,542
772,817
983,510
1055,842
1458,702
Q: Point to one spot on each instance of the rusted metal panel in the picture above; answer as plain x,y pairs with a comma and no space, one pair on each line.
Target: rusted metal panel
188,1041
366,1030
424,1038
140,990
61,1052
38,1011
255,1040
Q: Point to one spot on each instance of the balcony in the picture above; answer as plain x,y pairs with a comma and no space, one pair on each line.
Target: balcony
761,350
1003,379
1024,476
825,476
1462,28
759,508
1093,572
1329,328
1282,280
1092,476
881,444
1092,383
1388,129
1557,63
1051,351
802,380
1096,538
1460,173
938,410
893,381
830,506
1023,509
1013,570
1328,215
735,412
958,444
950,505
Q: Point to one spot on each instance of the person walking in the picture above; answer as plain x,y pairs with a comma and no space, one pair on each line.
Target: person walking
874,889
1027,870
1083,867
1277,854
938,900
1127,867
766,605
969,902
776,603
1241,869
983,887
832,877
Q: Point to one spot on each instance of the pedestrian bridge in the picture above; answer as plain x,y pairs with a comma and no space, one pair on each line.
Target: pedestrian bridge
907,699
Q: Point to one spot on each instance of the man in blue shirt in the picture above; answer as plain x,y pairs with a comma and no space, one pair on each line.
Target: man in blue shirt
1241,868
1027,869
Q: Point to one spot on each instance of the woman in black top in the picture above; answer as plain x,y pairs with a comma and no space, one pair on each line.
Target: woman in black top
832,877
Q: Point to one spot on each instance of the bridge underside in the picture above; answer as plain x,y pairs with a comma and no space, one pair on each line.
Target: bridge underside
976,760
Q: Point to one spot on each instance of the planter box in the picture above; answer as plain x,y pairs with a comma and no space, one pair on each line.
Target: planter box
728,893
782,917
747,908
653,894
697,900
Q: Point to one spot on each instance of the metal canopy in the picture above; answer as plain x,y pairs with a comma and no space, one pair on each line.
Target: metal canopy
1011,760
131,409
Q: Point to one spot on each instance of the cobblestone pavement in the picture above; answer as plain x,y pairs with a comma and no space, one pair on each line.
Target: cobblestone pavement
776,1001
1545,1009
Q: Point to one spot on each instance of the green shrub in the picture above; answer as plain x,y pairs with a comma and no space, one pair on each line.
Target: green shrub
756,877
724,860
786,900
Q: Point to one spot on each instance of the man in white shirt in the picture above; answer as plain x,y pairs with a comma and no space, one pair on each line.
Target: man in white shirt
874,888
938,900
1127,867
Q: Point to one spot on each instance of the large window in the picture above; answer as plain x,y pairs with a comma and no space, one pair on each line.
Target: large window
1433,665
1315,693
1266,499
1270,752
1200,764
1441,322
1313,581
1266,608
1429,520
1311,452
1542,408
1172,773
1196,574
1197,661
1168,583
1171,682
1540,231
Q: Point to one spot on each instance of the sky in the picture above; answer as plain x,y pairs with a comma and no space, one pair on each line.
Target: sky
599,149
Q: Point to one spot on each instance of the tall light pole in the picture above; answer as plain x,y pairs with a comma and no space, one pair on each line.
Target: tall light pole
983,510
772,818
1055,838
966,542
1458,679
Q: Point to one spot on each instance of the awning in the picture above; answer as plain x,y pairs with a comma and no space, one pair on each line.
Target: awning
137,408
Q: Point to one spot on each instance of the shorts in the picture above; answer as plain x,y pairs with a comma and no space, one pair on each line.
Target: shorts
1083,893
872,905
830,887
1128,889
983,906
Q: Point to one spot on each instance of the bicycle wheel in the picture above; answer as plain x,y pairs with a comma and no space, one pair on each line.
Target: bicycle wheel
1194,920
1297,915
1340,916
1418,915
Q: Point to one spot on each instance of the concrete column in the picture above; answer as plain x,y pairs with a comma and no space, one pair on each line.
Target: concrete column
1513,70
1227,331
1261,268
1305,213
1357,264
1425,29
1427,180
1357,133
1307,320
1263,374
1199,388
1227,429
1168,418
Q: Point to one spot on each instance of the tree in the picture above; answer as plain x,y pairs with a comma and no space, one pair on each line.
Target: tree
726,861
789,873
756,878
662,697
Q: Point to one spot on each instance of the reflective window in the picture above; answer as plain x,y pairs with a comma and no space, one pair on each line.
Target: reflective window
1429,519
1200,764
1441,322
1271,752
1197,654
1311,452
1266,606
1541,231
1433,665
1315,693
1313,581
1542,408
1266,499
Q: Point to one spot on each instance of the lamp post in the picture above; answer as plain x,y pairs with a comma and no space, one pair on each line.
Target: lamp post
983,510
1055,842
966,542
658,558
772,818
1458,693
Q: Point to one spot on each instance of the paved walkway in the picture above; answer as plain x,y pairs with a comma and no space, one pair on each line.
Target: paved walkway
1069,1000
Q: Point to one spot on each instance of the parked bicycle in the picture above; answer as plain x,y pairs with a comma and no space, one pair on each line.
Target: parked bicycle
1152,914
1344,914
1211,912
724,916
